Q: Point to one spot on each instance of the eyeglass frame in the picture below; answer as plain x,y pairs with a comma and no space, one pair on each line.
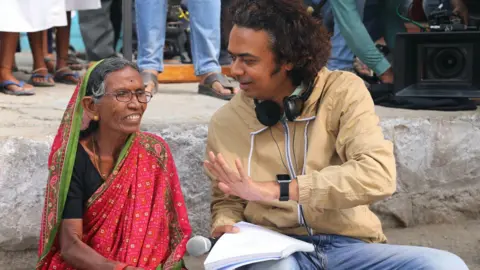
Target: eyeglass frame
131,94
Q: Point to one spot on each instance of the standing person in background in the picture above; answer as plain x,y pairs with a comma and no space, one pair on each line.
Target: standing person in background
62,72
205,38
25,16
351,38
100,29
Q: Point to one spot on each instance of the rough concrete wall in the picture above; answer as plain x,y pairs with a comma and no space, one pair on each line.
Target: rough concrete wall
438,162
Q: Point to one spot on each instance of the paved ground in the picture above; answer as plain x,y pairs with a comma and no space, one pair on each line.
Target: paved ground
39,115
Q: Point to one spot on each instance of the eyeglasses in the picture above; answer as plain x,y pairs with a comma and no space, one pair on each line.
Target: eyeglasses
126,96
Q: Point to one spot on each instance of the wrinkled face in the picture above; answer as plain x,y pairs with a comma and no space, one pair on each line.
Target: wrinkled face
254,64
115,110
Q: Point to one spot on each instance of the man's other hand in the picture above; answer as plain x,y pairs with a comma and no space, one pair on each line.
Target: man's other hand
220,230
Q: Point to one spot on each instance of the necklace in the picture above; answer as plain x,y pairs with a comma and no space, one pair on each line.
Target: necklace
96,159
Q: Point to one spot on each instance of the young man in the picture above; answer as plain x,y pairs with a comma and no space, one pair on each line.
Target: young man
334,150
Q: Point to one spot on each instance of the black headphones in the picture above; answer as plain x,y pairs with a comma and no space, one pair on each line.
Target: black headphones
269,112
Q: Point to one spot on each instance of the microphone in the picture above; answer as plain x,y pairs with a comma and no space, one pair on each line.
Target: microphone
199,245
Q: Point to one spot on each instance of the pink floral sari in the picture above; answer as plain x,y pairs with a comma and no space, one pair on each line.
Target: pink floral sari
137,216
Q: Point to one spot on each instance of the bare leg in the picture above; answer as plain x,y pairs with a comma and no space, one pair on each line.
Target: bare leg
63,42
48,57
39,66
7,56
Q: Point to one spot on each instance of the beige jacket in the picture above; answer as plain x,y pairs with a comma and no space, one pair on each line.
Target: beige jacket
335,149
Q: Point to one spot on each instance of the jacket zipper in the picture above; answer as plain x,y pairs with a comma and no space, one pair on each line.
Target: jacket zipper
288,157
293,174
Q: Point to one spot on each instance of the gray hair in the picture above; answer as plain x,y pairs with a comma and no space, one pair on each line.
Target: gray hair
96,81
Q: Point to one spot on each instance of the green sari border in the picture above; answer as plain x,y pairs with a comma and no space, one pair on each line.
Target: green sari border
69,161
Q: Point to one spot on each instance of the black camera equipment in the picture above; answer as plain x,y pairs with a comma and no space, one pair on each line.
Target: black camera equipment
443,62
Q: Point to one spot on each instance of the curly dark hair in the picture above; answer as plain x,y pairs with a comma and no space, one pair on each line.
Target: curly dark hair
296,36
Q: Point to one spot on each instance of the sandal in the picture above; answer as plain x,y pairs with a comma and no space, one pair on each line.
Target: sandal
5,90
63,77
148,77
46,78
207,87
75,63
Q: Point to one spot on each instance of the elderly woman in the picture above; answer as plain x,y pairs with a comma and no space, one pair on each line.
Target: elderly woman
113,198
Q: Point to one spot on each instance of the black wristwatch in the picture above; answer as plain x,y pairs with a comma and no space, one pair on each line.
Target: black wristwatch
284,182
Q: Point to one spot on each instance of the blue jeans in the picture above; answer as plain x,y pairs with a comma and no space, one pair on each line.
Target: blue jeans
341,56
342,253
151,17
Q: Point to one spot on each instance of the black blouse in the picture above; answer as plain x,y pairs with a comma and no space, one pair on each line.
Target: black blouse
85,181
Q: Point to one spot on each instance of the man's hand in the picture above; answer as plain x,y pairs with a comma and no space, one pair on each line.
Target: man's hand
460,9
220,230
387,76
238,183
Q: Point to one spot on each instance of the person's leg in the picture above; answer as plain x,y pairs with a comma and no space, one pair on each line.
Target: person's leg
47,47
97,32
151,21
288,263
116,19
205,31
205,40
7,56
63,73
40,75
348,253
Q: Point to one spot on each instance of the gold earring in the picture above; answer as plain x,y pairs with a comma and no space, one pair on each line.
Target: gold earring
95,118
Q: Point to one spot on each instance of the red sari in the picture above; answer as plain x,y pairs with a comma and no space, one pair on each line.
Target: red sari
137,216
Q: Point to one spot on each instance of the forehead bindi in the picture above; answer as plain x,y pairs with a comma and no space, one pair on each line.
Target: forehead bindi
125,79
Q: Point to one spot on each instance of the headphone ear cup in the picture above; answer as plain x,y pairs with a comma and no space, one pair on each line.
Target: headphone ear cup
293,107
268,113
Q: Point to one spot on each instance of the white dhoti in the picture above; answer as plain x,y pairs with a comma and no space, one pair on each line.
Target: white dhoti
32,15
72,5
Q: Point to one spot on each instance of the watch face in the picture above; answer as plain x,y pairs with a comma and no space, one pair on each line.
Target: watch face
282,177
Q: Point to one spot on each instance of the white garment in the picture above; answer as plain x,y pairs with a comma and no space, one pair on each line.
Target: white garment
82,4
31,15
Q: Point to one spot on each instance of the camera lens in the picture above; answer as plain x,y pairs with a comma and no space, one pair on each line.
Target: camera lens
448,63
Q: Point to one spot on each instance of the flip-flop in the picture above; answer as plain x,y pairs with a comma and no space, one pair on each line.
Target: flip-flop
62,77
45,77
207,87
148,77
5,90
75,63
